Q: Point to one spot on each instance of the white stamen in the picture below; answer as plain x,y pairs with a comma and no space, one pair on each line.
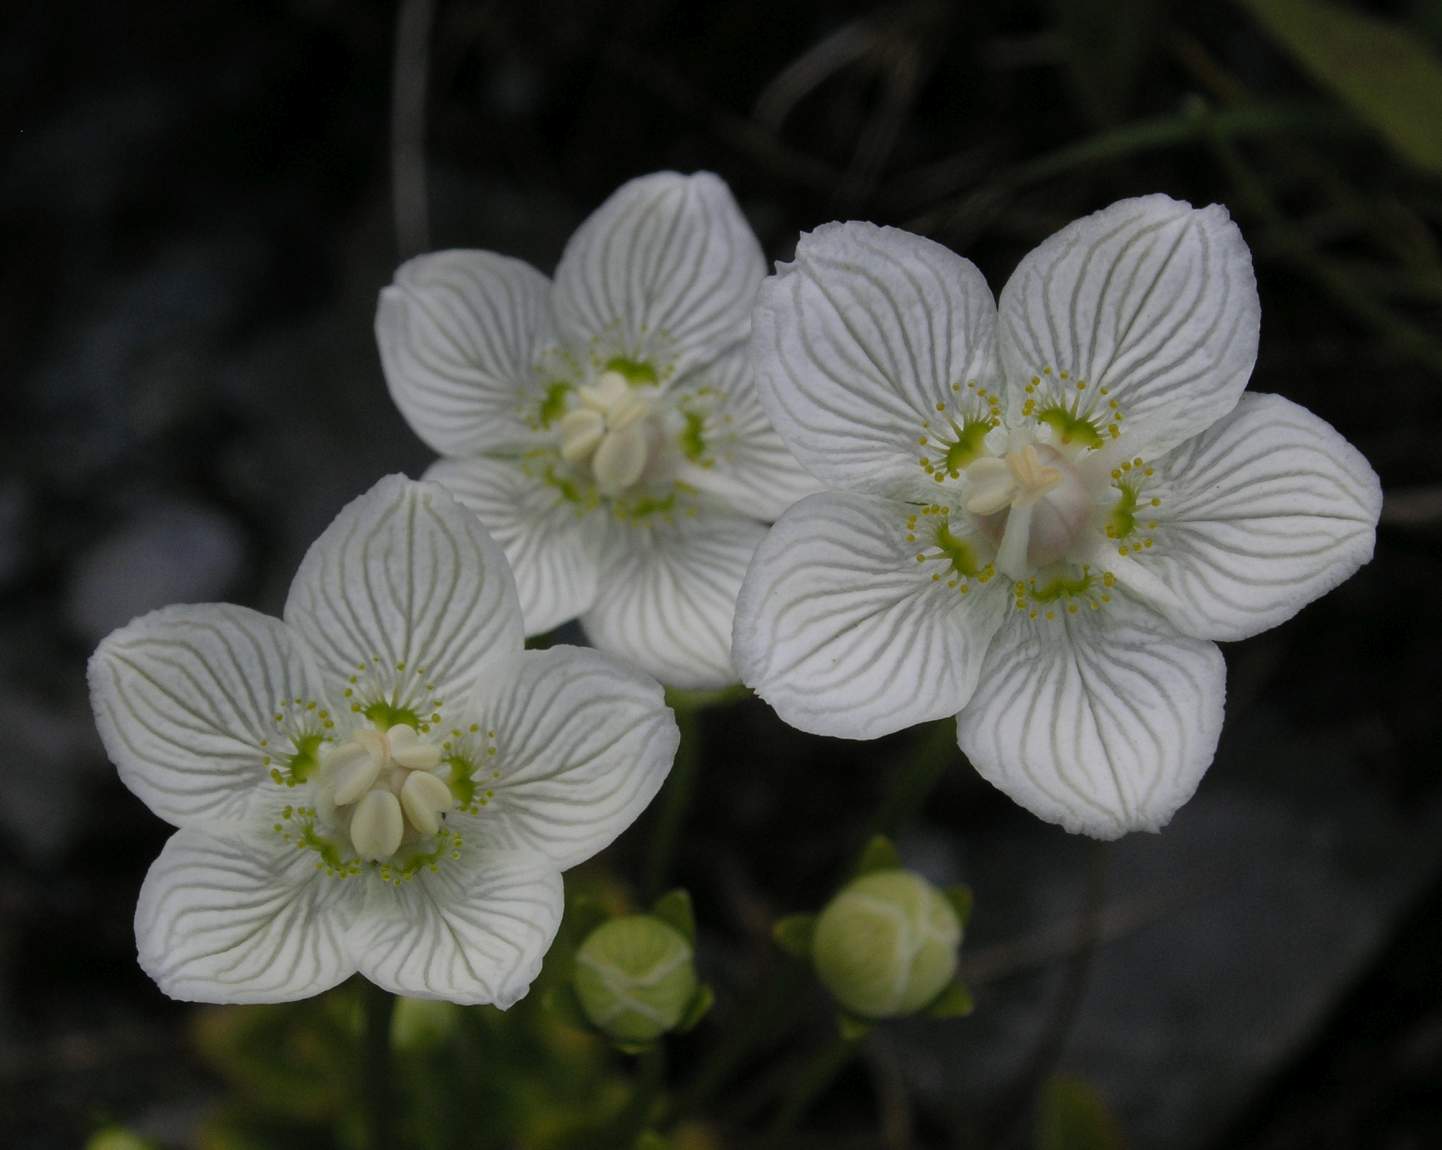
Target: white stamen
407,749
425,798
620,459
377,826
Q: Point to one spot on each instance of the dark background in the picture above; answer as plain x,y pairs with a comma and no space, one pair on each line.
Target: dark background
196,214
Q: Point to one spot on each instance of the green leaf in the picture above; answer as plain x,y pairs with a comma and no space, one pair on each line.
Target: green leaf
851,1028
955,1002
793,935
697,1009
583,915
879,854
1386,75
561,1003
1073,1116
674,907
962,899
650,1140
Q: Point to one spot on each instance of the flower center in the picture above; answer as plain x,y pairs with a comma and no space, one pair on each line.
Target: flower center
384,791
1032,503
611,432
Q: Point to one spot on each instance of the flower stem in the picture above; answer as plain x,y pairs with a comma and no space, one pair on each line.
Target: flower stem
675,802
379,1007
810,1083
650,1078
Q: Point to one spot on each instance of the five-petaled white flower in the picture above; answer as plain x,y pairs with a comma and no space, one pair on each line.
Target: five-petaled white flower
385,781
605,427
1054,507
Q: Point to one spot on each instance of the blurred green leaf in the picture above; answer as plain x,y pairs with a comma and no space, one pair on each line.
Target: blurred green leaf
955,1002
962,901
880,854
674,907
793,935
699,1007
1072,1116
1388,76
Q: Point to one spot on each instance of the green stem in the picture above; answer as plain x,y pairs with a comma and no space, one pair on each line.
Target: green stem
809,1084
933,753
674,804
379,1007
650,1077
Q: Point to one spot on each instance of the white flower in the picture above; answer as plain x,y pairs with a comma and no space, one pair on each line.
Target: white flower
1045,516
384,781
605,427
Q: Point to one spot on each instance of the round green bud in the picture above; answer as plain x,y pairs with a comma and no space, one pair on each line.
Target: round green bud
635,977
886,945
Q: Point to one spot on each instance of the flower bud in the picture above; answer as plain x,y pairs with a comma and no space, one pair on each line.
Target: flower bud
886,946
635,977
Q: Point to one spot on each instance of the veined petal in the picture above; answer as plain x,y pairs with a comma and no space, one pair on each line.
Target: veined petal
845,633
185,699
462,335
662,274
1265,511
472,931
233,914
551,544
406,591
668,594
731,451
1103,721
582,742
1147,309
866,344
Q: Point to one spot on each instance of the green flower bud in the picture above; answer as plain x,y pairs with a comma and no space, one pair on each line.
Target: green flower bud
886,945
635,977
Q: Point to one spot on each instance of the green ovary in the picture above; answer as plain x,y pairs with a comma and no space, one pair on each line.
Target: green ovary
1070,427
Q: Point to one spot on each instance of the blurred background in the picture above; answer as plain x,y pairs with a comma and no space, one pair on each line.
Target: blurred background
198,205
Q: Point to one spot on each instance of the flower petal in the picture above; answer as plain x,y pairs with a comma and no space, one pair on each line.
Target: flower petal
185,700
668,594
462,335
407,583
1265,511
550,543
1103,721
583,744
663,273
844,633
472,931
731,451
232,914
1150,299
859,340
